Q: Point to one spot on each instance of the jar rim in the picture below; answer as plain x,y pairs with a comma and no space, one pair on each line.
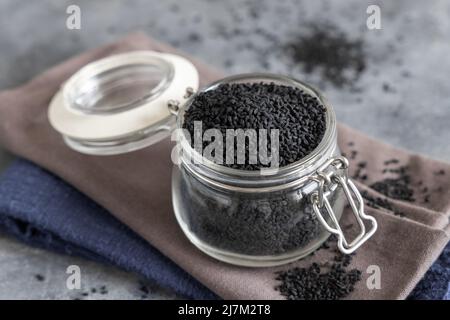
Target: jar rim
327,141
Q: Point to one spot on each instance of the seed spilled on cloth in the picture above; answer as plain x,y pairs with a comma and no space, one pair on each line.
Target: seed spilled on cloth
327,281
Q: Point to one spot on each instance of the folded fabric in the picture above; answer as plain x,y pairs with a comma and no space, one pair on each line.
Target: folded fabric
44,211
135,188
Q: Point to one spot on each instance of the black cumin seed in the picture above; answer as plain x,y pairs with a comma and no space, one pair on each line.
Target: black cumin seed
103,290
380,203
39,277
299,117
144,289
396,188
362,164
391,161
327,282
279,224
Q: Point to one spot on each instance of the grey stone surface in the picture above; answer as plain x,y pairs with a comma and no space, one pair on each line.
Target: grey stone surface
410,54
29,273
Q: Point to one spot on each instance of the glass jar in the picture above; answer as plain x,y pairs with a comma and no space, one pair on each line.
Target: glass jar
253,218
257,218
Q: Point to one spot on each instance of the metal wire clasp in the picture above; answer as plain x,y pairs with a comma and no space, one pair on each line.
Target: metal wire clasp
334,172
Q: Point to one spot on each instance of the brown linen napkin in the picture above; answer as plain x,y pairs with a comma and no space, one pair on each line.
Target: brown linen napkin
135,188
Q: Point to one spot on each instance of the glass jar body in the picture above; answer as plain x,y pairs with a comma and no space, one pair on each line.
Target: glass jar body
251,229
252,219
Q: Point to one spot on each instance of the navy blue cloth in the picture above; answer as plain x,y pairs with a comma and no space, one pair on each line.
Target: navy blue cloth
435,285
42,210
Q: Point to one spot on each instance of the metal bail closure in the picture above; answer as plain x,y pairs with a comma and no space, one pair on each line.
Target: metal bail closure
334,174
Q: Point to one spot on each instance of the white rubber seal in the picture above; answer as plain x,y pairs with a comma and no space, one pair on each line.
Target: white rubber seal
80,125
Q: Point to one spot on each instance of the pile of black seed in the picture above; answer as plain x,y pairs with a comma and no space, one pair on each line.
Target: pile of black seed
339,59
314,284
299,117
329,281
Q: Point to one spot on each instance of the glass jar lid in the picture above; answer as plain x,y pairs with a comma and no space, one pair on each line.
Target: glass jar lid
120,103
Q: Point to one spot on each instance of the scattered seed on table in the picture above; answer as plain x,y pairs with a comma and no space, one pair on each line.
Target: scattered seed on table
103,290
326,49
39,277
